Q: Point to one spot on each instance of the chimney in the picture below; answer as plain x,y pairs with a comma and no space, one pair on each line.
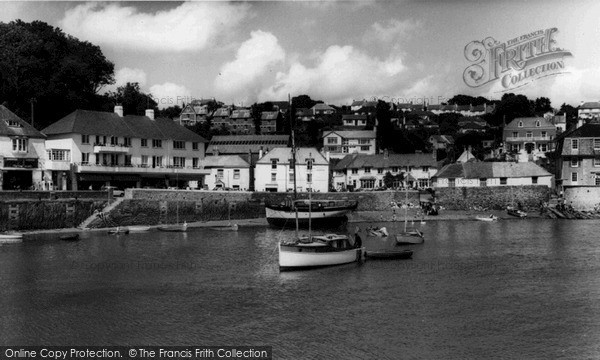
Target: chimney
260,153
386,155
150,114
327,156
119,110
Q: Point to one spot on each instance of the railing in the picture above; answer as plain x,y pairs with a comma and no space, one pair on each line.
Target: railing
111,149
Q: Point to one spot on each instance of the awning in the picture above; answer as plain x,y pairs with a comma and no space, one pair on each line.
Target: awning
368,178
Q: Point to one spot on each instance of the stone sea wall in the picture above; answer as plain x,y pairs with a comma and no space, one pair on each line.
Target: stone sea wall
492,197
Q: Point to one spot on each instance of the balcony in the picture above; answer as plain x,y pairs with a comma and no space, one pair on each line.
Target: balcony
137,169
113,149
526,139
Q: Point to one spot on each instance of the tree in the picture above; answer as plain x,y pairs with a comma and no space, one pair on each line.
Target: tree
385,130
62,73
468,100
172,112
542,106
571,112
133,100
512,106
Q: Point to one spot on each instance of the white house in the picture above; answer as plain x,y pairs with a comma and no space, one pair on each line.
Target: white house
89,149
22,154
479,174
274,172
339,143
368,171
226,172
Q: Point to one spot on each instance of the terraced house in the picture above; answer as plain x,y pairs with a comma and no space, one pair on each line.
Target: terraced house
22,154
89,149
579,160
367,172
339,143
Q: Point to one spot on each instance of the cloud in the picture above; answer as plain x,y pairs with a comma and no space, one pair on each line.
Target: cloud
391,31
170,94
254,58
128,75
188,27
341,73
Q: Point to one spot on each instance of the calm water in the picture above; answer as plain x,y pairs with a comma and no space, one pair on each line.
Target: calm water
511,289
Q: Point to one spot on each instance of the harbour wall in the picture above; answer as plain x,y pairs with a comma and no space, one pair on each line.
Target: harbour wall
492,197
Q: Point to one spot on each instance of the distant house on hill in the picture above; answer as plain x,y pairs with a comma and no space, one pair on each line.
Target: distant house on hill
339,143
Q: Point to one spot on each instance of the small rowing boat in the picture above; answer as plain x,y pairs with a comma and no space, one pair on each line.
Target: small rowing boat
69,237
487,218
389,254
138,228
11,238
233,227
174,227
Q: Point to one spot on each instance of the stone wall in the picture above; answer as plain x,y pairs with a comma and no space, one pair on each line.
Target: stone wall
582,198
46,214
492,197
7,195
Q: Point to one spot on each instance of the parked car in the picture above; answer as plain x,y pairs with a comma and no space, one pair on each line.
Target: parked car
116,191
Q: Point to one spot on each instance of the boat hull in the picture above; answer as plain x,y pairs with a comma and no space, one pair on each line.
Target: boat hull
11,238
173,228
389,254
138,228
284,218
291,258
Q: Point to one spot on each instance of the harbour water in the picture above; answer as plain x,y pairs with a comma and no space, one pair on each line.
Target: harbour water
509,289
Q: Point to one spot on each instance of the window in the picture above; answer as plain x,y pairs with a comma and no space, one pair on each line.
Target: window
596,144
395,169
534,179
85,158
483,182
544,134
503,181
425,168
380,170
332,140
354,171
596,162
309,164
543,147
515,134
178,161
236,173
156,143
13,123
537,123
273,177
309,178
274,164
144,160
574,144
574,177
19,144
520,124
365,148
597,180
127,160
367,184
85,139
157,161
220,173
127,141
177,144
363,141
58,155
367,170
574,163
195,163
529,135
114,140
144,142
194,146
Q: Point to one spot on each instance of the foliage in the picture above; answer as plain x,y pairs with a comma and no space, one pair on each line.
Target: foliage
133,100
172,112
512,106
58,71
385,130
468,100
542,105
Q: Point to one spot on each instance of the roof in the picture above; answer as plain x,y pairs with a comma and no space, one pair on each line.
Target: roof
224,161
479,170
353,134
354,117
354,161
586,130
221,112
241,114
590,105
106,123
529,122
269,115
304,112
466,156
284,154
242,144
442,139
23,128
322,107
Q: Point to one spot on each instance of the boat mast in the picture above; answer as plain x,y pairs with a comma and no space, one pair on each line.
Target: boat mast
405,205
293,163
309,199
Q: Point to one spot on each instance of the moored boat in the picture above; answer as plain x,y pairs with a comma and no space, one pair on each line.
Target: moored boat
510,210
410,237
329,213
174,227
487,218
11,238
138,228
233,227
318,251
69,237
389,254
118,231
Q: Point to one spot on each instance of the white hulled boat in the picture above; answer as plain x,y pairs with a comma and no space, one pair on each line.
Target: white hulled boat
321,212
317,251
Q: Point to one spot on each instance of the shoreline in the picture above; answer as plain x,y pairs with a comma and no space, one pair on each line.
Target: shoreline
354,217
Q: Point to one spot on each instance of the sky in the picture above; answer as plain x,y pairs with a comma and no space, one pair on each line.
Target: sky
335,51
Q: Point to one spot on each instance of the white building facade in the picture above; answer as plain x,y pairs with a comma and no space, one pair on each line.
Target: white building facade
274,171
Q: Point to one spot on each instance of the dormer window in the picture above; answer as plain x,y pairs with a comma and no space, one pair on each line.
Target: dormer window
537,123
520,124
309,164
13,123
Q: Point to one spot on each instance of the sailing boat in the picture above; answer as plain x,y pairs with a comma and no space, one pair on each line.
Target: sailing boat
175,227
314,251
229,226
408,237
